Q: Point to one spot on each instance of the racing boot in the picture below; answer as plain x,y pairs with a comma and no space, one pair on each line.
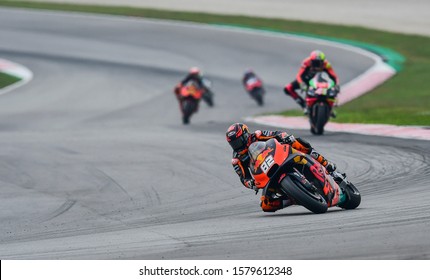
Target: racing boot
338,177
289,90
329,166
301,102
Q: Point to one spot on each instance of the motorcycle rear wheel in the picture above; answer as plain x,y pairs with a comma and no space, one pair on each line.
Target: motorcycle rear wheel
299,192
259,97
188,110
257,94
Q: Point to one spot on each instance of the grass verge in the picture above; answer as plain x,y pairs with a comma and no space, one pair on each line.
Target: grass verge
6,80
403,100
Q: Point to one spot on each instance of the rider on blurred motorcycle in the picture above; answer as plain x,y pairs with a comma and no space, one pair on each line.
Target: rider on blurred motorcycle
247,76
254,86
194,76
313,64
239,138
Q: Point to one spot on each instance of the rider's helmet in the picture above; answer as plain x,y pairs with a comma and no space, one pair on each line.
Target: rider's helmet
317,59
248,72
194,71
237,136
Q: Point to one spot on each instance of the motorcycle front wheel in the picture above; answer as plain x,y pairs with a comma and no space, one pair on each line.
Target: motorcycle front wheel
354,197
320,115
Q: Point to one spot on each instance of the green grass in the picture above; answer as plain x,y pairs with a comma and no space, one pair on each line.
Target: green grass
403,100
6,80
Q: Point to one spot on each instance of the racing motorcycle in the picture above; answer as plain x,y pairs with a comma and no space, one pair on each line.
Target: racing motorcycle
320,99
299,177
254,87
189,98
208,95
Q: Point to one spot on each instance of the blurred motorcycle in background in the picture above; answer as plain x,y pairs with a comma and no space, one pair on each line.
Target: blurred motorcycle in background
189,96
254,86
320,100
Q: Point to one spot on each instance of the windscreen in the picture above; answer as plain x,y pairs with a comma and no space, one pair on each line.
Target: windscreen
256,148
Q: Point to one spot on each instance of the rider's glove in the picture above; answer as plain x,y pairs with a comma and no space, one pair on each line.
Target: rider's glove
303,86
330,167
336,89
250,184
284,138
290,139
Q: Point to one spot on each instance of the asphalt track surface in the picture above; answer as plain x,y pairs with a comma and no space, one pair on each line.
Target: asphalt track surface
95,163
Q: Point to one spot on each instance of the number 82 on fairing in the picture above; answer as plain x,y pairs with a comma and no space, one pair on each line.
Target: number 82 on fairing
268,162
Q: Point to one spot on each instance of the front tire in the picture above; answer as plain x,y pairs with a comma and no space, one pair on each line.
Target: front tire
299,192
320,115
353,197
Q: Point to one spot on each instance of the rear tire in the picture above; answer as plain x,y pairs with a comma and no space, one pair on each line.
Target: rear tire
313,130
257,94
187,109
260,101
313,201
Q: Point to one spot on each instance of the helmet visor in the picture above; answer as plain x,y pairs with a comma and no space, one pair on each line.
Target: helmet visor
238,144
317,63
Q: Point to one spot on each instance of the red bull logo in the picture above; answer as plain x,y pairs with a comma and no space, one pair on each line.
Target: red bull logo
260,158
